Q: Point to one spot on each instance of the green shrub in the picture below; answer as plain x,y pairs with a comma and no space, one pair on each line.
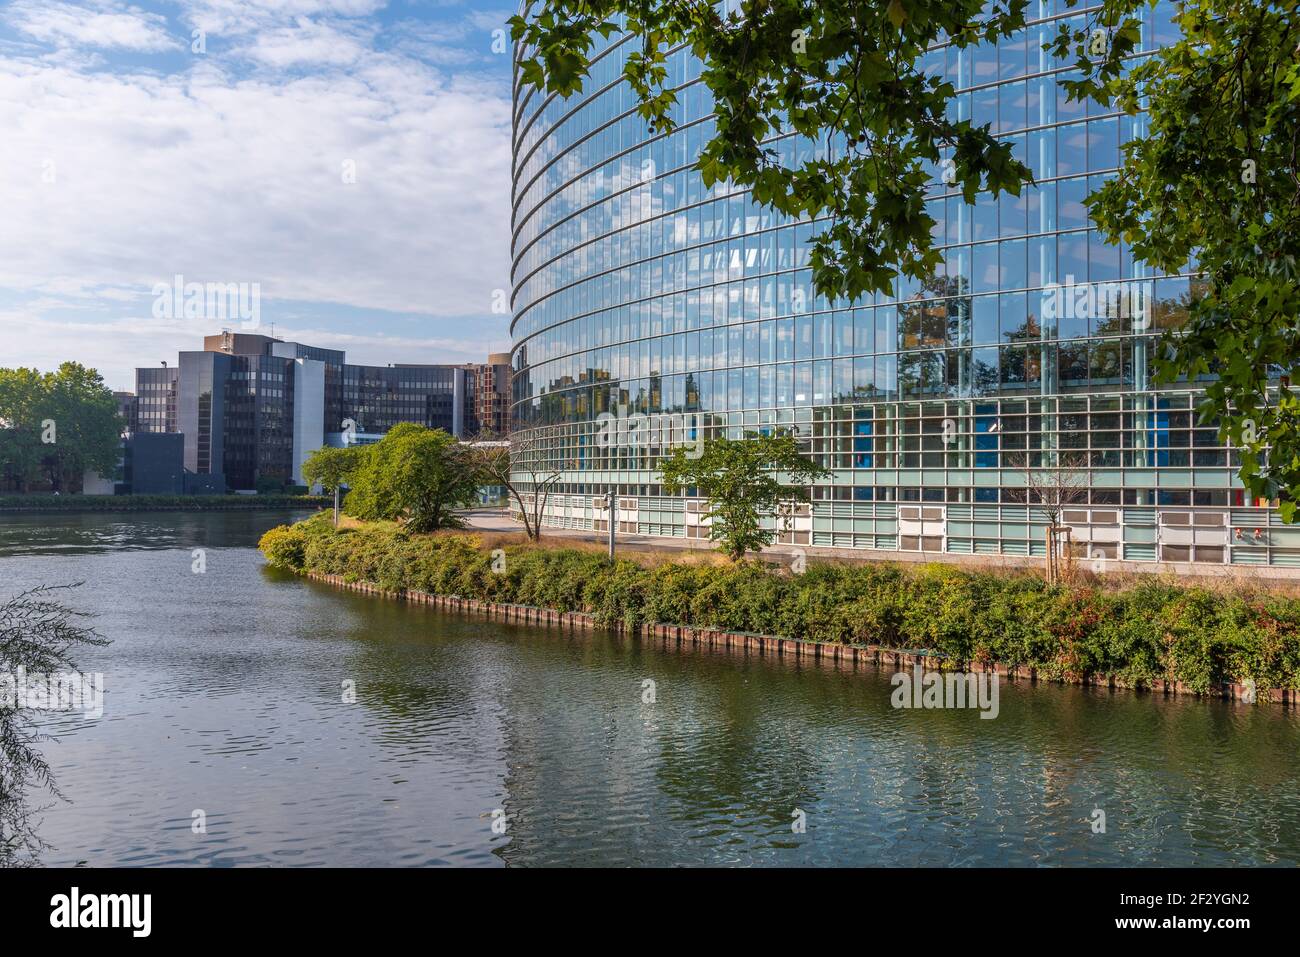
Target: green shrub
285,546
1139,633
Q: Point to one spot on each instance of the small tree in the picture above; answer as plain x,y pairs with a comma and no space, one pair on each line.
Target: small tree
524,467
735,475
415,475
332,468
1060,482
38,635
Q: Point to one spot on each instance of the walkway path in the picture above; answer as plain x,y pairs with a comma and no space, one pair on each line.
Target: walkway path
499,521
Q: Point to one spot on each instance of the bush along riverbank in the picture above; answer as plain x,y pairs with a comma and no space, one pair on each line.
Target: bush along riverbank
157,503
1148,634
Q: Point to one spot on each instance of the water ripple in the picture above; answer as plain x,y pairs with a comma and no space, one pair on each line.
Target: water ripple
225,695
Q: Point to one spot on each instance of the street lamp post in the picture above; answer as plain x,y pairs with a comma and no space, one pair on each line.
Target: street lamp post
611,502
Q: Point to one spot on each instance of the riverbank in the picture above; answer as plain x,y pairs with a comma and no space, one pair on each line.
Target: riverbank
819,652
1146,635
235,681
157,503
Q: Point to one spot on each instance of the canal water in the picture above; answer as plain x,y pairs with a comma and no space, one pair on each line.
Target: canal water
225,694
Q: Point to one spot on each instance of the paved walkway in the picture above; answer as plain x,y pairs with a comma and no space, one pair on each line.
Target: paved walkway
499,521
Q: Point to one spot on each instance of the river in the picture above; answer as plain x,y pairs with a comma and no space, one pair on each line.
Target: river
476,743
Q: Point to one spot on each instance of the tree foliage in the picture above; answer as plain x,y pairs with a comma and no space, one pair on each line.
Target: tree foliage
869,127
332,467
1214,182
415,475
741,478
39,635
56,425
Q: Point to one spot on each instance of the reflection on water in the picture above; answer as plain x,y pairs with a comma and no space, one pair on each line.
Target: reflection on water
224,693
25,534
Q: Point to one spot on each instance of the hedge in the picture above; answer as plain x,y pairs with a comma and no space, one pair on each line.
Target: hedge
1138,632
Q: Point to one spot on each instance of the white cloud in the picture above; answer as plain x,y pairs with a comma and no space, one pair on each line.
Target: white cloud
125,180
240,17
309,42
232,170
103,25
117,345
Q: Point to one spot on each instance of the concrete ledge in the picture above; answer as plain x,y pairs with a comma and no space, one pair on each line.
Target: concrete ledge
827,653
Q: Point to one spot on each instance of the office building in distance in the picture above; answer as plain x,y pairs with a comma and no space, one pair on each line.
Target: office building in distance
251,407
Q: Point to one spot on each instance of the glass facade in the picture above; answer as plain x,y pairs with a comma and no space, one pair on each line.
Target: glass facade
637,291
377,398
258,422
236,404
236,414
154,409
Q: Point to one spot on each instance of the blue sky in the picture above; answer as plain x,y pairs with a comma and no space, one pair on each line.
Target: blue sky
351,158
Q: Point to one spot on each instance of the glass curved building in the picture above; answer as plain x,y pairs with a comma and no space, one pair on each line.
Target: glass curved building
637,292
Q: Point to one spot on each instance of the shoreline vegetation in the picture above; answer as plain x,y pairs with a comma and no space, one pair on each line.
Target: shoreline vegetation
156,503
1141,633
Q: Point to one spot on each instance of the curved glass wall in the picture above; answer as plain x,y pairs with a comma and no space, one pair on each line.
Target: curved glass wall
639,292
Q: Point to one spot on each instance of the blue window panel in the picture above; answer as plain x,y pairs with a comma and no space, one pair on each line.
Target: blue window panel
1072,259
1013,214
985,275
984,320
1012,106
985,218
1103,144
1012,258
1103,260
1070,208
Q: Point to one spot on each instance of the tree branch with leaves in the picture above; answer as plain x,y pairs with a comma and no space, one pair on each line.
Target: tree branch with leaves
524,466
821,109
1213,187
39,635
742,480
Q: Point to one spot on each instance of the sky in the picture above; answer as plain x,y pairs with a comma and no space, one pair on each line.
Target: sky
342,164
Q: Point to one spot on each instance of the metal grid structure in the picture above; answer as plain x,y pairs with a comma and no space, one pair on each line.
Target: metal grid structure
639,292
